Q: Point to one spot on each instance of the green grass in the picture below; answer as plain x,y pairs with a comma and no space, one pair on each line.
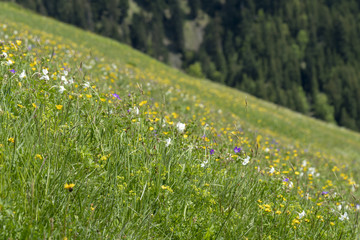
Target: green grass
129,182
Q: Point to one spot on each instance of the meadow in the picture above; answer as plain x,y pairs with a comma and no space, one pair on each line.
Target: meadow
98,141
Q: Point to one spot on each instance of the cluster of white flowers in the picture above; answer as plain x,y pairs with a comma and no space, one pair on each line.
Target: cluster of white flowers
344,217
67,81
45,75
181,126
245,160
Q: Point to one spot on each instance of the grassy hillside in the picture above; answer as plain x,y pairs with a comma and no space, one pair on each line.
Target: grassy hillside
100,141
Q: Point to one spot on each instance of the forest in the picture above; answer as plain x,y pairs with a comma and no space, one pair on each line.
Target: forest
301,54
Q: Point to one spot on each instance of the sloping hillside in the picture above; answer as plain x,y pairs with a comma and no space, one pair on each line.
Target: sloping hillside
101,141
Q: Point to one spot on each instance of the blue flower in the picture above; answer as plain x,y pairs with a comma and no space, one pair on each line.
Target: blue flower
212,151
116,96
237,149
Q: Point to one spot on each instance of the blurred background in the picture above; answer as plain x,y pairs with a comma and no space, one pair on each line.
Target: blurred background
302,54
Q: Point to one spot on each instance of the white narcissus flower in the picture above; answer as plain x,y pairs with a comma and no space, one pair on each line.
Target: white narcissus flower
62,89
86,85
246,160
168,142
180,126
9,62
203,164
344,217
135,110
63,78
23,75
302,214
46,77
311,171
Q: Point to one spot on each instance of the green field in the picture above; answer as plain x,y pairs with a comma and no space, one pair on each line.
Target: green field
99,150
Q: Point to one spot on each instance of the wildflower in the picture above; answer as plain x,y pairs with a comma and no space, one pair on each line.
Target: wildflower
45,71
38,156
13,71
69,186
237,149
59,107
168,142
304,163
18,42
344,217
142,103
12,140
180,126
116,96
212,151
272,170
135,109
45,77
246,161
23,74
9,62
291,185
324,193
86,85
203,164
302,214
311,171
61,89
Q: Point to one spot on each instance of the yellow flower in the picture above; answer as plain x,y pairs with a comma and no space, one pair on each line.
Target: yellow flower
12,140
34,105
69,186
88,95
59,107
142,103
38,156
18,42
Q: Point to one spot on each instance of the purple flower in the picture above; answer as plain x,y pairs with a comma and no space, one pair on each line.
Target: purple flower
212,151
324,193
237,149
286,180
13,71
117,96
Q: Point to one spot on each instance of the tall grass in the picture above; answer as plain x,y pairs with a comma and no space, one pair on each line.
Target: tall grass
116,146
